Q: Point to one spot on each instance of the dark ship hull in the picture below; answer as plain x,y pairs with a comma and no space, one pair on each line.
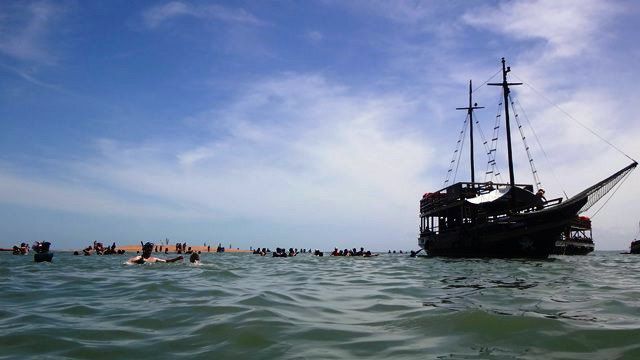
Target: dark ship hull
568,247
527,235
635,247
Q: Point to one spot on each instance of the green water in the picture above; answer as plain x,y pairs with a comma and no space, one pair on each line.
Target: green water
245,306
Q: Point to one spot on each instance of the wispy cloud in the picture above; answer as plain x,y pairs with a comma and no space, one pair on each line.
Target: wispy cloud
314,36
567,28
32,79
24,31
155,16
78,198
403,11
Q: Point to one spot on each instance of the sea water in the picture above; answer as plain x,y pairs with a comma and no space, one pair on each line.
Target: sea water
244,306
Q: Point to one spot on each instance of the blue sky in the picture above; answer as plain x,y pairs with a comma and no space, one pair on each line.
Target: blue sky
297,124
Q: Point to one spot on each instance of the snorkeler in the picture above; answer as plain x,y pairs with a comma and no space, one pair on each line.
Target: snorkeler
146,256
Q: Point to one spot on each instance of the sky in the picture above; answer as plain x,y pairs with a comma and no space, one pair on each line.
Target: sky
309,124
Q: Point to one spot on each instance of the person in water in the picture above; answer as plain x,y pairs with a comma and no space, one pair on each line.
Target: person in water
194,258
147,249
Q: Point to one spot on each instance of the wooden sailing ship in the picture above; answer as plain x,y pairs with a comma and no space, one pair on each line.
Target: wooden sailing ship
506,220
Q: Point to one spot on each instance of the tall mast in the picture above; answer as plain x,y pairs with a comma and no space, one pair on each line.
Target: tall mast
505,90
470,109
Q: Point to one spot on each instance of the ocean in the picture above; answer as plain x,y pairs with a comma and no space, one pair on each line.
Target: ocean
243,306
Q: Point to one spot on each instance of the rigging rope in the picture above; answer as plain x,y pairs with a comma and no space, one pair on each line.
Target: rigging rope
574,119
534,171
460,144
486,148
626,176
535,135
457,152
486,81
491,153
455,174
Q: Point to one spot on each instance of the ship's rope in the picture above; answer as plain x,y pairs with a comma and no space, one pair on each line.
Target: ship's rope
489,152
492,172
534,171
624,178
456,154
599,190
486,81
574,119
464,136
455,159
535,135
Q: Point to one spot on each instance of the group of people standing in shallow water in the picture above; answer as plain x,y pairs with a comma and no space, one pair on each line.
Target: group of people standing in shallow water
352,252
148,248
100,249
23,249
281,252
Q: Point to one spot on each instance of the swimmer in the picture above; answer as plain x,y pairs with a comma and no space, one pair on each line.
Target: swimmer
146,256
194,258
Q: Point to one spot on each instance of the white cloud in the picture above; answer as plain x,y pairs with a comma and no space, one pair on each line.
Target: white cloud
298,150
155,16
158,14
314,36
78,198
568,28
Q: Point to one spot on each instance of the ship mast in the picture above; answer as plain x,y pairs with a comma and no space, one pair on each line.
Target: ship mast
470,109
505,90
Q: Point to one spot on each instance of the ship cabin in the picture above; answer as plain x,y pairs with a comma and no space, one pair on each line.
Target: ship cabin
467,204
579,230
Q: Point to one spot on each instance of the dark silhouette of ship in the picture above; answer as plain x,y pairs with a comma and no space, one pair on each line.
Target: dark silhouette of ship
505,220
635,247
635,244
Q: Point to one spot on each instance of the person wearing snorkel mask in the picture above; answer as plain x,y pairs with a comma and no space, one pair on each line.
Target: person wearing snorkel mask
146,256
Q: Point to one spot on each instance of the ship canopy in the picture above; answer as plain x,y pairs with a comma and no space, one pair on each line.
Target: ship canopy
501,198
490,196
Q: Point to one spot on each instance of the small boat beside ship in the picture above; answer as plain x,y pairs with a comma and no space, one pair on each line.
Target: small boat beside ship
505,220
577,239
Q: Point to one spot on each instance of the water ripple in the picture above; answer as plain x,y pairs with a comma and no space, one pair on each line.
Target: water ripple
390,306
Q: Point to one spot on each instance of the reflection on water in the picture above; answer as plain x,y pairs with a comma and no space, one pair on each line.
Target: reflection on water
241,305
